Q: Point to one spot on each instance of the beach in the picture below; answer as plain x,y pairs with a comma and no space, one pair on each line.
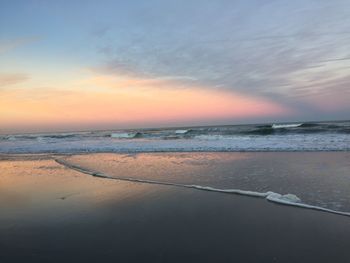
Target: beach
174,131
54,213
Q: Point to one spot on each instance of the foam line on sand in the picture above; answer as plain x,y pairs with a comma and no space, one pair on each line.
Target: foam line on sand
286,199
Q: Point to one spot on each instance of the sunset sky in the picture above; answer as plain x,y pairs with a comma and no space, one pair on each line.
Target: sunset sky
78,65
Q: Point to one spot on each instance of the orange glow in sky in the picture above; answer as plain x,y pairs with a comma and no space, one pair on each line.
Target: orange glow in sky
123,101
68,66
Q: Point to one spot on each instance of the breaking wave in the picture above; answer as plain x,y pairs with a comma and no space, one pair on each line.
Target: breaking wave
125,135
182,131
279,126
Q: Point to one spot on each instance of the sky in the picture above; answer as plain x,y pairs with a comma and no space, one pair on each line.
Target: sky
79,65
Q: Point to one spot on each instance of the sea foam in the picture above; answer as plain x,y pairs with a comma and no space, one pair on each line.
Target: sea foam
283,199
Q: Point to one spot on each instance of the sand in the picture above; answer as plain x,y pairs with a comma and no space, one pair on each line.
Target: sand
49,213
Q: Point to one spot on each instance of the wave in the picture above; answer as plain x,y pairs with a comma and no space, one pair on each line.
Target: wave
9,138
22,137
60,136
41,136
283,199
182,131
171,137
346,131
261,131
309,124
292,125
126,135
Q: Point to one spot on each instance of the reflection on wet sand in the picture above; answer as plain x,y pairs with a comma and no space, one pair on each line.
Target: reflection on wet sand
43,188
318,178
167,167
49,213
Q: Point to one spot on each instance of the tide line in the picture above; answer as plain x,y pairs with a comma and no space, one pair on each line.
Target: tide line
286,199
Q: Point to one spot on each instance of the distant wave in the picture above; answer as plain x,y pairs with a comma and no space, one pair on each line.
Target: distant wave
59,136
125,135
292,125
38,137
260,131
182,131
306,125
283,199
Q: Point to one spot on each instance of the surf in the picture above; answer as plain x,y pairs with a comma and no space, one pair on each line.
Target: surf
126,135
182,131
291,125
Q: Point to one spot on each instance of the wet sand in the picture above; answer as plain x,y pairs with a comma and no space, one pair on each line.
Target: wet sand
49,213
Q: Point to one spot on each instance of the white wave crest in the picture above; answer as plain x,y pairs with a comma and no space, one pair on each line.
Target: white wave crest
292,125
125,135
182,131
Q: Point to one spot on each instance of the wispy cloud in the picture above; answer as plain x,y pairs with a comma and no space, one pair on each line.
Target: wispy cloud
293,54
275,50
8,79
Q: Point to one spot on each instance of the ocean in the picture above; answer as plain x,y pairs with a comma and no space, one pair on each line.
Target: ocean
307,136
307,165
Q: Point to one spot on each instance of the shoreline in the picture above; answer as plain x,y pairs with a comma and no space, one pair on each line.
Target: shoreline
52,213
38,155
288,199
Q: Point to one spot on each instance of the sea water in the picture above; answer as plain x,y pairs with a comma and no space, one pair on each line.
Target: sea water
320,136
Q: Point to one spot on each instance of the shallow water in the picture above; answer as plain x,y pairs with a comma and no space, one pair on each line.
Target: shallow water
320,179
